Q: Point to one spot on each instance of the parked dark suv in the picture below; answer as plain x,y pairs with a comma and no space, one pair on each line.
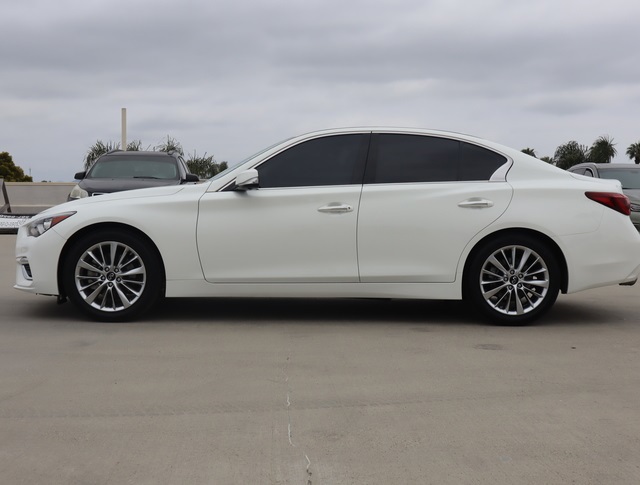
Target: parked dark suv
125,170
627,173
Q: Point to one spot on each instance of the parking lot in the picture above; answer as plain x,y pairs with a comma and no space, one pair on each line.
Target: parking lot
318,392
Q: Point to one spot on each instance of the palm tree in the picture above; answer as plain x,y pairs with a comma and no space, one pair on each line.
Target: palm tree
170,145
570,154
633,152
204,166
529,151
602,150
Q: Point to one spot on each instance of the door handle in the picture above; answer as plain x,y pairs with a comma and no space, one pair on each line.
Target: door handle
476,203
335,208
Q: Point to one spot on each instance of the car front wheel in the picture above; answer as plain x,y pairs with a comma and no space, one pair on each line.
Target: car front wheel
112,275
513,279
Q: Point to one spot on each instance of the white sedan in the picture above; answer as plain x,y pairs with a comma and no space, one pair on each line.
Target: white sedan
348,213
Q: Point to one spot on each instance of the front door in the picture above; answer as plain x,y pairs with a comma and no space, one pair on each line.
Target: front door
299,226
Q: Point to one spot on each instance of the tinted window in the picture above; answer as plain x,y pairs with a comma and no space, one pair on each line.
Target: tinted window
415,158
332,160
477,163
411,158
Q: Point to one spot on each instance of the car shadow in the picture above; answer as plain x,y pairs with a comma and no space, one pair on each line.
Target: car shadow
322,311
287,310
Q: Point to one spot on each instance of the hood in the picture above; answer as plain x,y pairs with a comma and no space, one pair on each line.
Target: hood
122,195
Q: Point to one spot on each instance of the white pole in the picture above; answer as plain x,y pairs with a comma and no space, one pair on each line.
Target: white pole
124,129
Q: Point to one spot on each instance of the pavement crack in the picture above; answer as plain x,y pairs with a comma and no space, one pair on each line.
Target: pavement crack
285,370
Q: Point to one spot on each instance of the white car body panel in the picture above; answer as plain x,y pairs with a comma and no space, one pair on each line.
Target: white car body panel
279,235
410,249
394,241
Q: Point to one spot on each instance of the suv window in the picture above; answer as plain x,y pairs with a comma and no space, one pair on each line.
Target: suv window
150,166
417,158
332,160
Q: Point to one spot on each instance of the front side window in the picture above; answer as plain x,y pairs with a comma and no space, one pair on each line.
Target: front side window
416,158
331,160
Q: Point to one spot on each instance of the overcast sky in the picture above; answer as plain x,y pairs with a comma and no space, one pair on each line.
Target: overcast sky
228,77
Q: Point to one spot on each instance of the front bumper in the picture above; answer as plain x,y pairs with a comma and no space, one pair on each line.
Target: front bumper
37,262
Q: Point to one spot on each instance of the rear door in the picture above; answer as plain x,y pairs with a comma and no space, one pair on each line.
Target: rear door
423,200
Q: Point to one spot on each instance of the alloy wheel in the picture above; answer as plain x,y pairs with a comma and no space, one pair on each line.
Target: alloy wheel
514,280
110,276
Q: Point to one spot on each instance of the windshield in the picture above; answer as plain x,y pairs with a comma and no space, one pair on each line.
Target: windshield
629,178
164,168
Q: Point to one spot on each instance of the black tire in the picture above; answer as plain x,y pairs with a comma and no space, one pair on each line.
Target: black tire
512,279
112,275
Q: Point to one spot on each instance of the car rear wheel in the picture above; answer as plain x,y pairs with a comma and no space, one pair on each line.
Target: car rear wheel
112,275
513,280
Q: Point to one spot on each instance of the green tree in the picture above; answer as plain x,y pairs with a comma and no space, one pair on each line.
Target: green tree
10,172
570,154
602,150
170,145
99,148
633,152
204,166
529,151
548,160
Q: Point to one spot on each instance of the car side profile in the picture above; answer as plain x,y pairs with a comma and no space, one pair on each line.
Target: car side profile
128,170
345,213
627,173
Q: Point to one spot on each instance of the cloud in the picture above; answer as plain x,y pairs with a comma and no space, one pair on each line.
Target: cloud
230,77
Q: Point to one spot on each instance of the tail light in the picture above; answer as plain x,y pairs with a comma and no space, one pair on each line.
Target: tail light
613,200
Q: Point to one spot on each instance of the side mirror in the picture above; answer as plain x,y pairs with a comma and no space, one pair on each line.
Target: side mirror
191,178
80,175
248,180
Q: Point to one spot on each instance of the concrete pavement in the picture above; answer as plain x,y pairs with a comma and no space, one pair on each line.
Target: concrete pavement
318,392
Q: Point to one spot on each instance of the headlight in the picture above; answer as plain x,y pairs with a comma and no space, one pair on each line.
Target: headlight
40,226
78,193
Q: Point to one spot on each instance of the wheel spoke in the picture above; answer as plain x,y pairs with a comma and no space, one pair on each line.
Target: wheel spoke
113,250
135,271
540,283
92,256
91,297
495,291
523,259
497,264
85,265
123,298
519,308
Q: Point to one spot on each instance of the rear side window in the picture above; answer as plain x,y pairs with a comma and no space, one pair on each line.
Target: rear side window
416,158
332,160
477,163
